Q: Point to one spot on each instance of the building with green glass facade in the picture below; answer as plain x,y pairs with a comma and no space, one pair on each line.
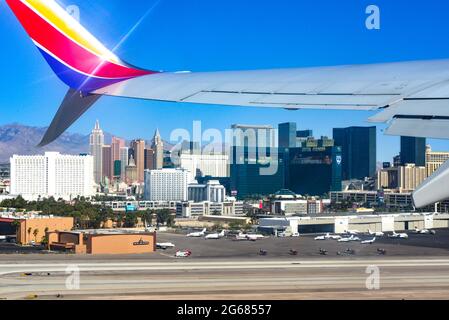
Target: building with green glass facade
358,147
256,172
413,150
314,171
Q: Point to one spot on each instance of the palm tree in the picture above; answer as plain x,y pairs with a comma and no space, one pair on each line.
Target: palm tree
29,231
35,233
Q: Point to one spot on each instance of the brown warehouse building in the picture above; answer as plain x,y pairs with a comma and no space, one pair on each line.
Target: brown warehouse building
102,242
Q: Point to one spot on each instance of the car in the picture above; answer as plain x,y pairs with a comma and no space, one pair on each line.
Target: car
295,234
183,253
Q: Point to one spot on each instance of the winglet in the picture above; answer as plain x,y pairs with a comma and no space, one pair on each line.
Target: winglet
72,107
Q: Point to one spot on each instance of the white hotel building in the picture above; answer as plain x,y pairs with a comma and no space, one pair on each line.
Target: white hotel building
52,174
214,165
167,184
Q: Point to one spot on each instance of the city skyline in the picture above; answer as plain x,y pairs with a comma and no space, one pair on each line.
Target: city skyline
209,55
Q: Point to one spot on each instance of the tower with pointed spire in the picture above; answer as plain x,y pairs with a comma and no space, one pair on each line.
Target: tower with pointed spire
96,142
131,171
158,148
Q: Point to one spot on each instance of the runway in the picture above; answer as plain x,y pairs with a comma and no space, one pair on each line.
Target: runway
411,278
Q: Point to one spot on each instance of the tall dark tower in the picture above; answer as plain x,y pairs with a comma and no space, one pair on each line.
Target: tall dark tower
287,135
358,151
413,150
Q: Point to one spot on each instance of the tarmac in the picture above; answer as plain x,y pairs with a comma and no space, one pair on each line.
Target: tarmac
414,268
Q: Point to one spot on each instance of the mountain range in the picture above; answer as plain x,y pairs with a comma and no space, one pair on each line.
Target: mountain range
20,139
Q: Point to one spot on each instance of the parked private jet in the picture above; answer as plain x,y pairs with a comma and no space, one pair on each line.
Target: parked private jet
251,237
215,235
352,232
328,236
165,245
375,233
351,238
398,235
368,241
254,236
412,97
424,231
197,234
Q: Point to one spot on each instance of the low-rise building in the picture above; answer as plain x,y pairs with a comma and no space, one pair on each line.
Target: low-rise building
102,242
359,196
211,191
137,205
298,206
31,227
188,209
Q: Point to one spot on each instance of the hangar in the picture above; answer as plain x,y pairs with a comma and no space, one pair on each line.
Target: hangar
361,223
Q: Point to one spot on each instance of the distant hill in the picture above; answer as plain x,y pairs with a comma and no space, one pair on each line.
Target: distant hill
21,139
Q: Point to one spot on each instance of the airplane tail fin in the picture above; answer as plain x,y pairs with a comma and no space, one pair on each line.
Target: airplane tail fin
75,55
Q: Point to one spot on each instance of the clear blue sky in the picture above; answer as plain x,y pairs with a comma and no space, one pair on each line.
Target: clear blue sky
206,35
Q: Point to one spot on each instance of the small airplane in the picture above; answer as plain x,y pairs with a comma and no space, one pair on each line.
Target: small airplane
424,231
351,238
241,236
197,234
251,237
254,236
215,235
352,232
369,241
321,237
375,233
398,235
164,245
183,253
328,236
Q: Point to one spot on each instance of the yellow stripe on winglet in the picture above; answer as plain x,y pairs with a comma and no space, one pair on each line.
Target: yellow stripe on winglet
60,18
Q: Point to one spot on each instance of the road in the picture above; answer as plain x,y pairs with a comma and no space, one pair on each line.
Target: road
301,278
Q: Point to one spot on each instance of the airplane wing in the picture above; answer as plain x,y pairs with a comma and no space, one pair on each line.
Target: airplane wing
412,96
